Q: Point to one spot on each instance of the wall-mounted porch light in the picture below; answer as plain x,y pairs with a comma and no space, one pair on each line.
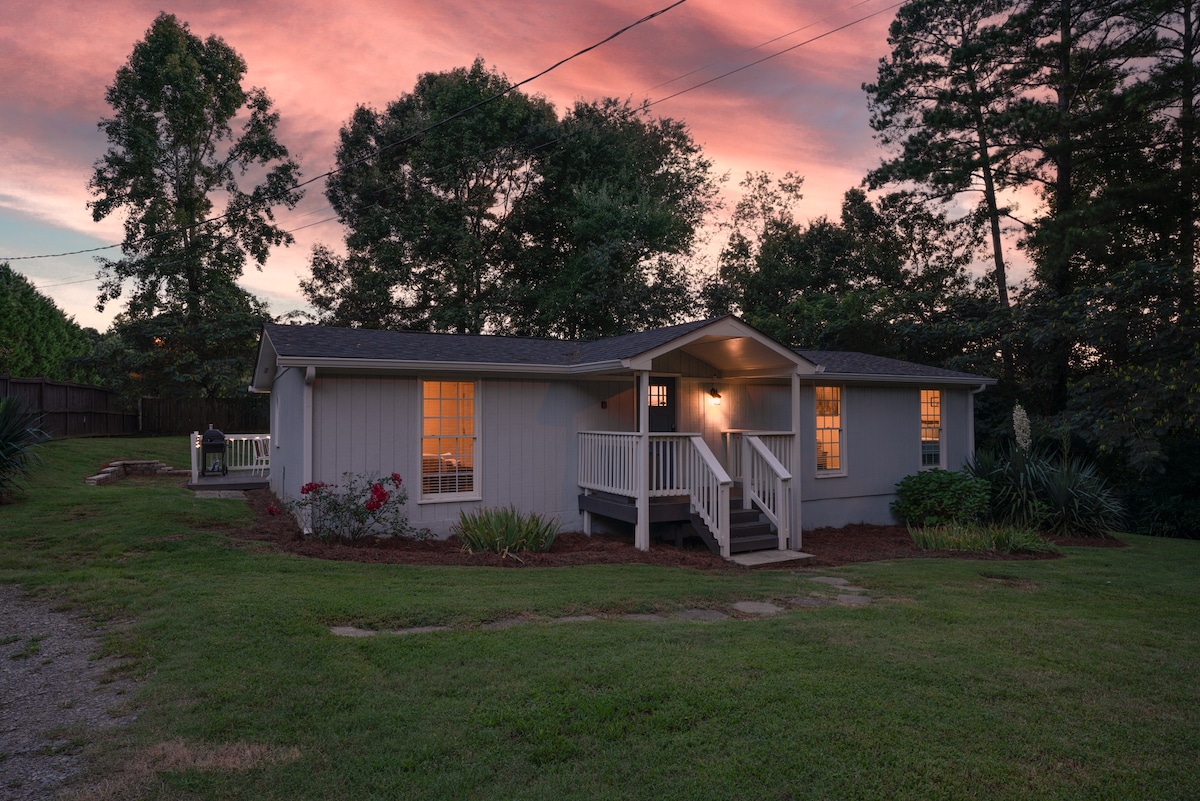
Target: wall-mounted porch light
714,397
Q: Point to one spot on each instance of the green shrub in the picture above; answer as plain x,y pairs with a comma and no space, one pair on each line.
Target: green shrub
979,539
505,531
939,497
19,432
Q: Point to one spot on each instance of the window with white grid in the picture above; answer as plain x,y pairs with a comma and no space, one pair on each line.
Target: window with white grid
829,430
448,438
931,428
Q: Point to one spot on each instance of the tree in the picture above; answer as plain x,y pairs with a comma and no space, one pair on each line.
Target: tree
599,237
427,211
943,98
36,337
172,153
471,207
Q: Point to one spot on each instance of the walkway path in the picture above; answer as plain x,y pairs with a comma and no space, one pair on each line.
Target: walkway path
848,595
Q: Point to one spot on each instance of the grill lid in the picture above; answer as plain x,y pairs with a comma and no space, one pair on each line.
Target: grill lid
212,437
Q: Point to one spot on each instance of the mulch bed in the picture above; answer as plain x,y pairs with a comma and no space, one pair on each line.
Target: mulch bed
830,547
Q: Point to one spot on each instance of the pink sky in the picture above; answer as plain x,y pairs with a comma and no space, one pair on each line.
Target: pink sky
803,111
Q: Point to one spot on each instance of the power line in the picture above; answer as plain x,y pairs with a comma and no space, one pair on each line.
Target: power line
389,146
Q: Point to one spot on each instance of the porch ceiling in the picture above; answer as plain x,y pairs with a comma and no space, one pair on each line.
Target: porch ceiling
739,355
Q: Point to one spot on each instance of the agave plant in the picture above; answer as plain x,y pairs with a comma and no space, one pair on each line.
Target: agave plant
19,432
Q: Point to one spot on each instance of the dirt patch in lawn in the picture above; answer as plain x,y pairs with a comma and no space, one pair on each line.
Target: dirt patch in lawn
829,546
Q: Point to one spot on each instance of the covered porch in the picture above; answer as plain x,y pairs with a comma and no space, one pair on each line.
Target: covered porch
710,445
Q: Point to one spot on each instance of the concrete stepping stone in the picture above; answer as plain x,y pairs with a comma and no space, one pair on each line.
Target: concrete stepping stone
575,619
419,630
703,614
757,608
853,600
837,581
810,603
650,617
505,623
351,631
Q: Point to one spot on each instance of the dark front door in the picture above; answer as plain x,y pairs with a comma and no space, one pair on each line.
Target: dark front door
662,404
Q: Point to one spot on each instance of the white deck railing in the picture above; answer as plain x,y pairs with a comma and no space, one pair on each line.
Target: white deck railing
779,443
767,483
680,464
245,452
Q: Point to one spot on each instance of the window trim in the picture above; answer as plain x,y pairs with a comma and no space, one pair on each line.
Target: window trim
474,494
941,429
841,470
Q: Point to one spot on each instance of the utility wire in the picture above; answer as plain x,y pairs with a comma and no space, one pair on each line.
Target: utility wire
634,110
397,143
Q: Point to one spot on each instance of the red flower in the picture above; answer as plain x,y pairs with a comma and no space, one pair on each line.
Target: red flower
373,505
313,486
274,510
396,479
378,493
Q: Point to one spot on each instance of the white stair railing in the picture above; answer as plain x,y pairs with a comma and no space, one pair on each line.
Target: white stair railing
680,464
767,483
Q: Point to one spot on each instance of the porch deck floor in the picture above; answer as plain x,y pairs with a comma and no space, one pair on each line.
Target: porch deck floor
240,480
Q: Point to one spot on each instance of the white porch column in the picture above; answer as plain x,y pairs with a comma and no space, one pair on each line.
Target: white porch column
797,530
641,535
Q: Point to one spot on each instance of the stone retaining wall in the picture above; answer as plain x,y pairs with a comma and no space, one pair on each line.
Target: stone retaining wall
134,467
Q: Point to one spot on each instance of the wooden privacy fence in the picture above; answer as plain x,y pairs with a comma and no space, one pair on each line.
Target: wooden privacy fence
78,410
183,416
72,410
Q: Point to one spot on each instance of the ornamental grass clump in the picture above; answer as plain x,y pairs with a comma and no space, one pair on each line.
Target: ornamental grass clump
20,431
362,505
980,539
505,531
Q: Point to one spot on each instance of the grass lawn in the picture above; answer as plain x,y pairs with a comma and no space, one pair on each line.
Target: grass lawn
1069,678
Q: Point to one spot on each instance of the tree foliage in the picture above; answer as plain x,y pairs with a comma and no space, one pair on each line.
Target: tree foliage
472,207
173,154
36,337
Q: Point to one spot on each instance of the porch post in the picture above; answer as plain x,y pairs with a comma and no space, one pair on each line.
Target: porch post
797,531
641,535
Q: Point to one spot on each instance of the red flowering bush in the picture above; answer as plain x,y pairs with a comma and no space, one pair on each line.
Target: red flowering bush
362,505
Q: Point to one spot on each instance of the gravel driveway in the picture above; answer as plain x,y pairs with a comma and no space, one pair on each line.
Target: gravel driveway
53,691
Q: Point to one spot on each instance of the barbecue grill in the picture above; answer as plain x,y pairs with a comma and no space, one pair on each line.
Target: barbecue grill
212,442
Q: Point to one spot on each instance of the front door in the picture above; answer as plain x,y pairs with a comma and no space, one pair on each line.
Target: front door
662,405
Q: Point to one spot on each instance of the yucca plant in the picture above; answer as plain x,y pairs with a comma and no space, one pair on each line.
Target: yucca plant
1078,500
504,531
20,431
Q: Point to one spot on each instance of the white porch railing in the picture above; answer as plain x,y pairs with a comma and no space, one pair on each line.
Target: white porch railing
766,482
246,452
779,443
680,464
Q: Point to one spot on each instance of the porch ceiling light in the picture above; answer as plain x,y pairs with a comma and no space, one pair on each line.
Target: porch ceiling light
714,397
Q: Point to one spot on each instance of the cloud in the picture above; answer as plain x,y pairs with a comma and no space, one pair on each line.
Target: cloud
802,111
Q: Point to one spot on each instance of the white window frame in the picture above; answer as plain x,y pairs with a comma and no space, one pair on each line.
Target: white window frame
941,430
472,494
840,470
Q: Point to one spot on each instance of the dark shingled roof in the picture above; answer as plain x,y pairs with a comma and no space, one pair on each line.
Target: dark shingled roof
318,341
850,363
322,342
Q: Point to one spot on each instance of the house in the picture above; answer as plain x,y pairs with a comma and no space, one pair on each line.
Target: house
708,427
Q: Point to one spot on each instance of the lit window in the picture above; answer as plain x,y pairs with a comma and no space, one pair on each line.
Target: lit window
931,428
658,394
448,437
829,429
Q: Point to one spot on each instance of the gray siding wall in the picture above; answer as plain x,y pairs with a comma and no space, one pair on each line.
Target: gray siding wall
287,433
527,447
